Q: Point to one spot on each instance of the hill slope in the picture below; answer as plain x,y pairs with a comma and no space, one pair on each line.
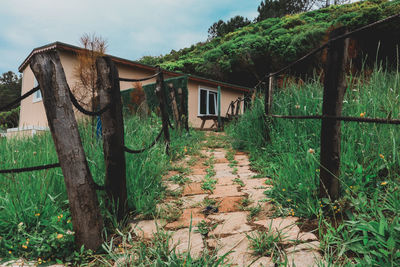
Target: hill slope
245,55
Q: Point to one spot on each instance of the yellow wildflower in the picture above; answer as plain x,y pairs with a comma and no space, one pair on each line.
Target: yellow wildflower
334,207
351,187
37,214
362,114
289,200
24,246
59,236
381,156
283,189
384,183
9,252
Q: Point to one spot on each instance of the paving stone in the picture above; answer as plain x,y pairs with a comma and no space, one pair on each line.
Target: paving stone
170,174
238,246
246,175
221,160
303,258
225,174
254,183
189,217
147,228
222,167
180,241
230,223
222,191
198,171
196,177
255,194
193,189
263,262
314,245
229,204
224,180
171,186
192,201
286,226
307,236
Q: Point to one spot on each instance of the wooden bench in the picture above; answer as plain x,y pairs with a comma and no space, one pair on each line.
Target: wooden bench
214,118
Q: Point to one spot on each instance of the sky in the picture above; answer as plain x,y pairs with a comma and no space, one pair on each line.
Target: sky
133,29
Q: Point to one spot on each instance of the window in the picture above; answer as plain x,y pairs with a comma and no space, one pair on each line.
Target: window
37,96
207,102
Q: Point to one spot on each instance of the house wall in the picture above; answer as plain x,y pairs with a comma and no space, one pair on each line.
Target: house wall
227,96
33,113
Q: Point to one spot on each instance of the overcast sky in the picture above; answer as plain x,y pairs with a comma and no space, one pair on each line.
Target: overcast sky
132,28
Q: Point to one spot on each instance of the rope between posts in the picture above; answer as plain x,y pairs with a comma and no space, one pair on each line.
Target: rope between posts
340,118
139,80
19,99
34,168
43,167
316,50
132,151
83,110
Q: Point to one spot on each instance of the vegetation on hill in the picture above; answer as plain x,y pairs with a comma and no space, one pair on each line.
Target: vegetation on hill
245,55
363,226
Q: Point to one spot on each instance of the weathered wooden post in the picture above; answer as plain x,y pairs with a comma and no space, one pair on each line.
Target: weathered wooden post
160,92
334,89
271,85
175,111
238,107
84,206
113,134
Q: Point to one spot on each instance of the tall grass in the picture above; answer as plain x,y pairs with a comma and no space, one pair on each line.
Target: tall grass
363,226
34,215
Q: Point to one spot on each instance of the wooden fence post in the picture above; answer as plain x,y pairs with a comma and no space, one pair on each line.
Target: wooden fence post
175,110
334,89
160,92
84,206
271,85
113,134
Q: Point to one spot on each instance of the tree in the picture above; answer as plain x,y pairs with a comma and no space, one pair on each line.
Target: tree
85,72
10,87
220,28
280,8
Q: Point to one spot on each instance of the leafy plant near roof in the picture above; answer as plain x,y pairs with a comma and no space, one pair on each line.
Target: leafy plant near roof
246,54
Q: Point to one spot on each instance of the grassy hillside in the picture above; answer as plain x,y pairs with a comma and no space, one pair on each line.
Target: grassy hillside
247,54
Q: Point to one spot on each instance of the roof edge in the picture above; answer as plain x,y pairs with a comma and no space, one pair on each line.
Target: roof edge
68,47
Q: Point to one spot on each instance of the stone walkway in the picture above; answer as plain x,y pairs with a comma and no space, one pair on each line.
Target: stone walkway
222,201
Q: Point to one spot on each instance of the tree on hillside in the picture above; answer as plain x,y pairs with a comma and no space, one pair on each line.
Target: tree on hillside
280,8
85,72
220,28
10,87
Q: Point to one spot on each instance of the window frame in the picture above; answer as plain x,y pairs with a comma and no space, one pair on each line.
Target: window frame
37,96
208,90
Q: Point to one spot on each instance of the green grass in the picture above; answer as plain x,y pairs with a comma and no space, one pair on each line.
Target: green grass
363,225
34,215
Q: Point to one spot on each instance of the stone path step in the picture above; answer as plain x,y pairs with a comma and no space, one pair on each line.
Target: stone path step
225,207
